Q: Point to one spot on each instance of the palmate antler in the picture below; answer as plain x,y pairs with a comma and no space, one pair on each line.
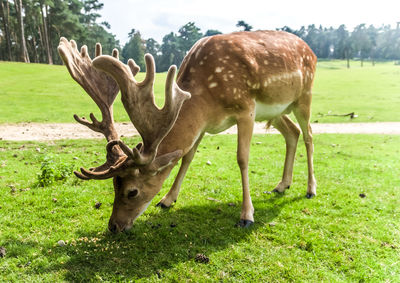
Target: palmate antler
152,123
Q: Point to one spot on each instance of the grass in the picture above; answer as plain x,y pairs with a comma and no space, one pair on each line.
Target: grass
337,236
372,92
42,93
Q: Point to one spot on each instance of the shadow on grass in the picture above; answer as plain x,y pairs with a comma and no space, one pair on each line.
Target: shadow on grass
161,241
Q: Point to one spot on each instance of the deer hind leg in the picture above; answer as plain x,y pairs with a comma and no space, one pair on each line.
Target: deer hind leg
291,133
245,132
303,113
172,195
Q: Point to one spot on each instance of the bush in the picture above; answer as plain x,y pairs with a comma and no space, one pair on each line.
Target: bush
53,170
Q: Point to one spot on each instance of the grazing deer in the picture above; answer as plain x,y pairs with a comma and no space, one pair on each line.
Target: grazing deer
224,80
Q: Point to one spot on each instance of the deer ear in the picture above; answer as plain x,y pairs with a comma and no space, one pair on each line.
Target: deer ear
163,161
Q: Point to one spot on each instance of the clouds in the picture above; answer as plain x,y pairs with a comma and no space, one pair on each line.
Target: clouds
156,18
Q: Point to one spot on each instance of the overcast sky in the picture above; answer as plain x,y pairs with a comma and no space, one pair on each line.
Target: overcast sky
156,18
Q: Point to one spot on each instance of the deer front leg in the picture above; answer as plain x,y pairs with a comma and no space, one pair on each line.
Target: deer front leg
172,195
291,133
245,131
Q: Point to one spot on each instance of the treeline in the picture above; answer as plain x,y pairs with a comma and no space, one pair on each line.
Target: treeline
30,32
364,42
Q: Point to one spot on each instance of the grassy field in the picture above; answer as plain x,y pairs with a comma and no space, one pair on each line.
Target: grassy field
42,93
337,236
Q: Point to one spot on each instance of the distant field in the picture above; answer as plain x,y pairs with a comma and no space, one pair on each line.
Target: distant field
43,93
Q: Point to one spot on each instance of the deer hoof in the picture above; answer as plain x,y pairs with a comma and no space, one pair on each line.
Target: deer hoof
278,192
163,206
244,223
309,195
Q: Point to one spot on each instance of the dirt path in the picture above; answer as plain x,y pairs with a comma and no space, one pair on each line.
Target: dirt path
38,131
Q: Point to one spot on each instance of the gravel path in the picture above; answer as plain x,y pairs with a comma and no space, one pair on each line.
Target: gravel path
43,132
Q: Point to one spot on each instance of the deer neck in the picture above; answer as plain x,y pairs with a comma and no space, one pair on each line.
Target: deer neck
189,126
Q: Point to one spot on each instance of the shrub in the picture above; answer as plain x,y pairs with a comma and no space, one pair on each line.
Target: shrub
53,170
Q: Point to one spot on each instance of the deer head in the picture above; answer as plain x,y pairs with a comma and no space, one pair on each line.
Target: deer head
134,170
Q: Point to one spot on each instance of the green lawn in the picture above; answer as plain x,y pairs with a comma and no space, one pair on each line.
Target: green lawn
42,93
337,236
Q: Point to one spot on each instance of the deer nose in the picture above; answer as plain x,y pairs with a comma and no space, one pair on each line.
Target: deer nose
113,227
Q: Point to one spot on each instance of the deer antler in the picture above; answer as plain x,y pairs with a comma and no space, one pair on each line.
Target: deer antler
100,78
152,123
102,89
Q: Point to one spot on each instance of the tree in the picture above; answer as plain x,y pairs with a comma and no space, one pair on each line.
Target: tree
174,47
134,49
211,32
4,13
171,52
153,47
189,34
44,10
373,36
246,26
22,43
362,42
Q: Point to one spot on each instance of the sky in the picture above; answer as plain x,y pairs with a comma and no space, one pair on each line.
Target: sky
156,18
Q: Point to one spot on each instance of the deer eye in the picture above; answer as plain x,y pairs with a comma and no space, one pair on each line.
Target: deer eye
133,193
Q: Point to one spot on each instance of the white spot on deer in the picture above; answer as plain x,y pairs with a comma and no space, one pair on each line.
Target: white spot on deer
201,63
269,111
210,78
212,85
265,62
231,76
265,83
256,86
205,58
236,64
212,52
225,77
234,90
227,57
218,70
230,41
192,70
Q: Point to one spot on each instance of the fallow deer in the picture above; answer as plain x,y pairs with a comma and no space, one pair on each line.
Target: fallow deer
236,78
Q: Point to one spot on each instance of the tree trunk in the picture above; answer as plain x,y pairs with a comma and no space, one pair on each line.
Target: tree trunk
23,51
35,54
4,15
347,58
362,59
46,35
42,45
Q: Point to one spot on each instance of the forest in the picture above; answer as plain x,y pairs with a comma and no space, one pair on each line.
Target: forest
30,32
